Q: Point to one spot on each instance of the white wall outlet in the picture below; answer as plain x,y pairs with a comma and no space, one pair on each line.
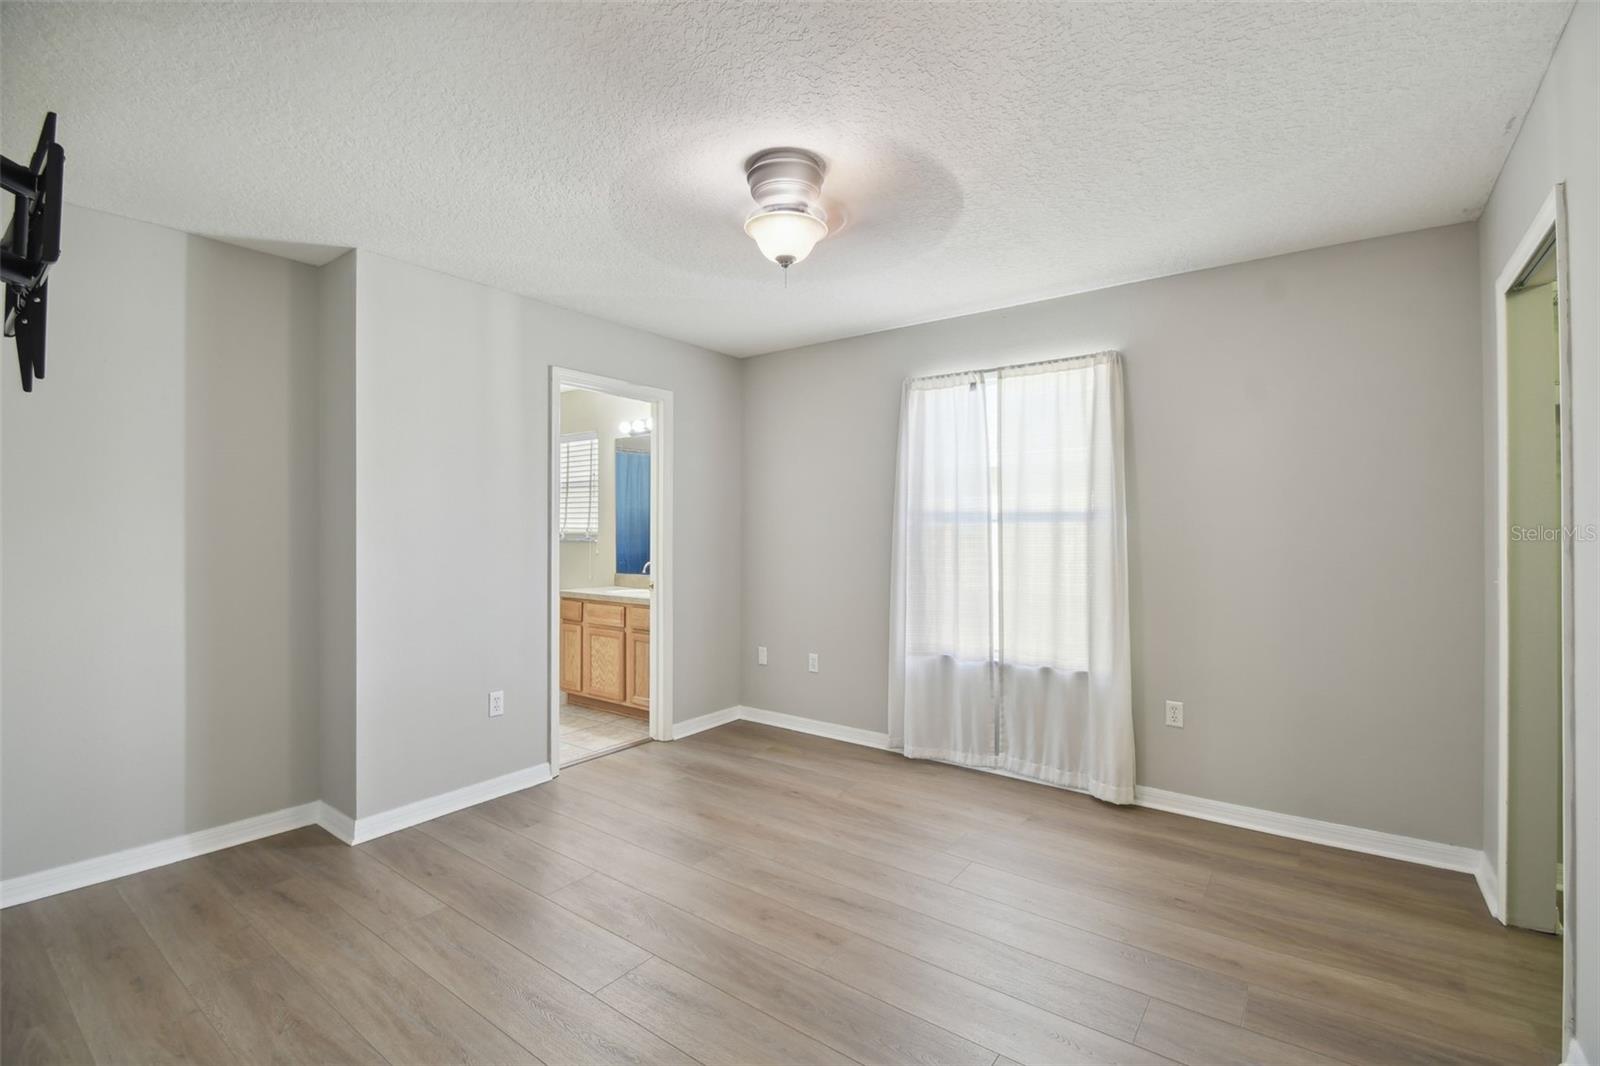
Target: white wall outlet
811,662
1175,714
497,704
761,655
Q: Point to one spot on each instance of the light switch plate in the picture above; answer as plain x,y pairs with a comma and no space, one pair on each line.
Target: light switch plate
811,662
761,655
497,703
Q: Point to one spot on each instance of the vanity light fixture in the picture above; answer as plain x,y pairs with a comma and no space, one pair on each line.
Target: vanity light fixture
636,428
786,184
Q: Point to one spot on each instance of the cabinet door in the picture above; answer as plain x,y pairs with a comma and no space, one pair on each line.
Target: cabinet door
639,668
604,675
571,657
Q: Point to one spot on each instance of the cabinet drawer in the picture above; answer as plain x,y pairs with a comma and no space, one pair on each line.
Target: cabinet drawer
602,614
639,618
571,610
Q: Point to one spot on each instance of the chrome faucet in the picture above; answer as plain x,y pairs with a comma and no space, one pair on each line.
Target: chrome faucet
646,567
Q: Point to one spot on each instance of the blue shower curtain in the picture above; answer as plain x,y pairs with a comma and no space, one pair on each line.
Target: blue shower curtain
633,511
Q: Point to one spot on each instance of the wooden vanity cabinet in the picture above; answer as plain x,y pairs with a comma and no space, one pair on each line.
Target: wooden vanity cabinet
571,657
605,653
638,651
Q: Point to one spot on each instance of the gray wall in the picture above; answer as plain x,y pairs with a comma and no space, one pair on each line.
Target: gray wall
272,533
452,453
159,619
336,532
1305,506
1559,141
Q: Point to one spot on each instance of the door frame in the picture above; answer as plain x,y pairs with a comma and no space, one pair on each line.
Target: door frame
661,570
1551,218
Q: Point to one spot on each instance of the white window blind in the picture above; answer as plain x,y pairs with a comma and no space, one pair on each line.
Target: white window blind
580,486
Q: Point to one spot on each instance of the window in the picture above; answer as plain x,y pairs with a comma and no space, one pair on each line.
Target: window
1009,626
580,486
1009,517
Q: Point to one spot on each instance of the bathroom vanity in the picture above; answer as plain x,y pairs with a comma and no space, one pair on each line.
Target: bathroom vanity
605,648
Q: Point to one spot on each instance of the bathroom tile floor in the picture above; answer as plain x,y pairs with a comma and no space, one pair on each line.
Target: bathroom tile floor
587,732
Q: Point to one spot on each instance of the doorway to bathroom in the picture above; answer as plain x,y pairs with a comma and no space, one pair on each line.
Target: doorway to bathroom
609,566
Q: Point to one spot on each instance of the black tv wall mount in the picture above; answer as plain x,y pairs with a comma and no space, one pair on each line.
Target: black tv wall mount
31,247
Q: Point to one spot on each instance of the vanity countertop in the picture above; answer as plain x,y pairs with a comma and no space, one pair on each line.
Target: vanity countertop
609,594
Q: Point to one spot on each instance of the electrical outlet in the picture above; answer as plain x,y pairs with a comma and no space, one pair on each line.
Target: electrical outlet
497,703
811,662
1175,714
761,655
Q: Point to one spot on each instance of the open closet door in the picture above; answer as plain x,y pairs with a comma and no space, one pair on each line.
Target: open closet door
1010,611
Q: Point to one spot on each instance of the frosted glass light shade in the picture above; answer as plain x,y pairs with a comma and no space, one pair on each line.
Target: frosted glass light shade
786,235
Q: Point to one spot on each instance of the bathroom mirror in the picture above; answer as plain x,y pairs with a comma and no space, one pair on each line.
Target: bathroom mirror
633,504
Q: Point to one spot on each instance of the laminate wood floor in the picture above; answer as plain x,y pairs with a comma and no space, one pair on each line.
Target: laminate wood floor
751,895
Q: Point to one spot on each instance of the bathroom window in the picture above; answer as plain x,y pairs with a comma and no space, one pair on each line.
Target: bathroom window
580,486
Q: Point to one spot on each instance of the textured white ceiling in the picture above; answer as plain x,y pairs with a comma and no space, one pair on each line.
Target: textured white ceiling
981,154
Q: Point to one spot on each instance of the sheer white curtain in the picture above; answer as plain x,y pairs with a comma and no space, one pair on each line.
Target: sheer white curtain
1009,615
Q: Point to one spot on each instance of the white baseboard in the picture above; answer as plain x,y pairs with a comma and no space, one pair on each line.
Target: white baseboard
355,831
336,822
1489,885
1333,834
352,831
701,723
407,815
1574,1055
849,734
148,856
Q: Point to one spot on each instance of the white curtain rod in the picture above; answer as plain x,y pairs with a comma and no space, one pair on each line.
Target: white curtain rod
1109,353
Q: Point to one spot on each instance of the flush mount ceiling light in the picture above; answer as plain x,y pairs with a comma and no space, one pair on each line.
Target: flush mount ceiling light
788,221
